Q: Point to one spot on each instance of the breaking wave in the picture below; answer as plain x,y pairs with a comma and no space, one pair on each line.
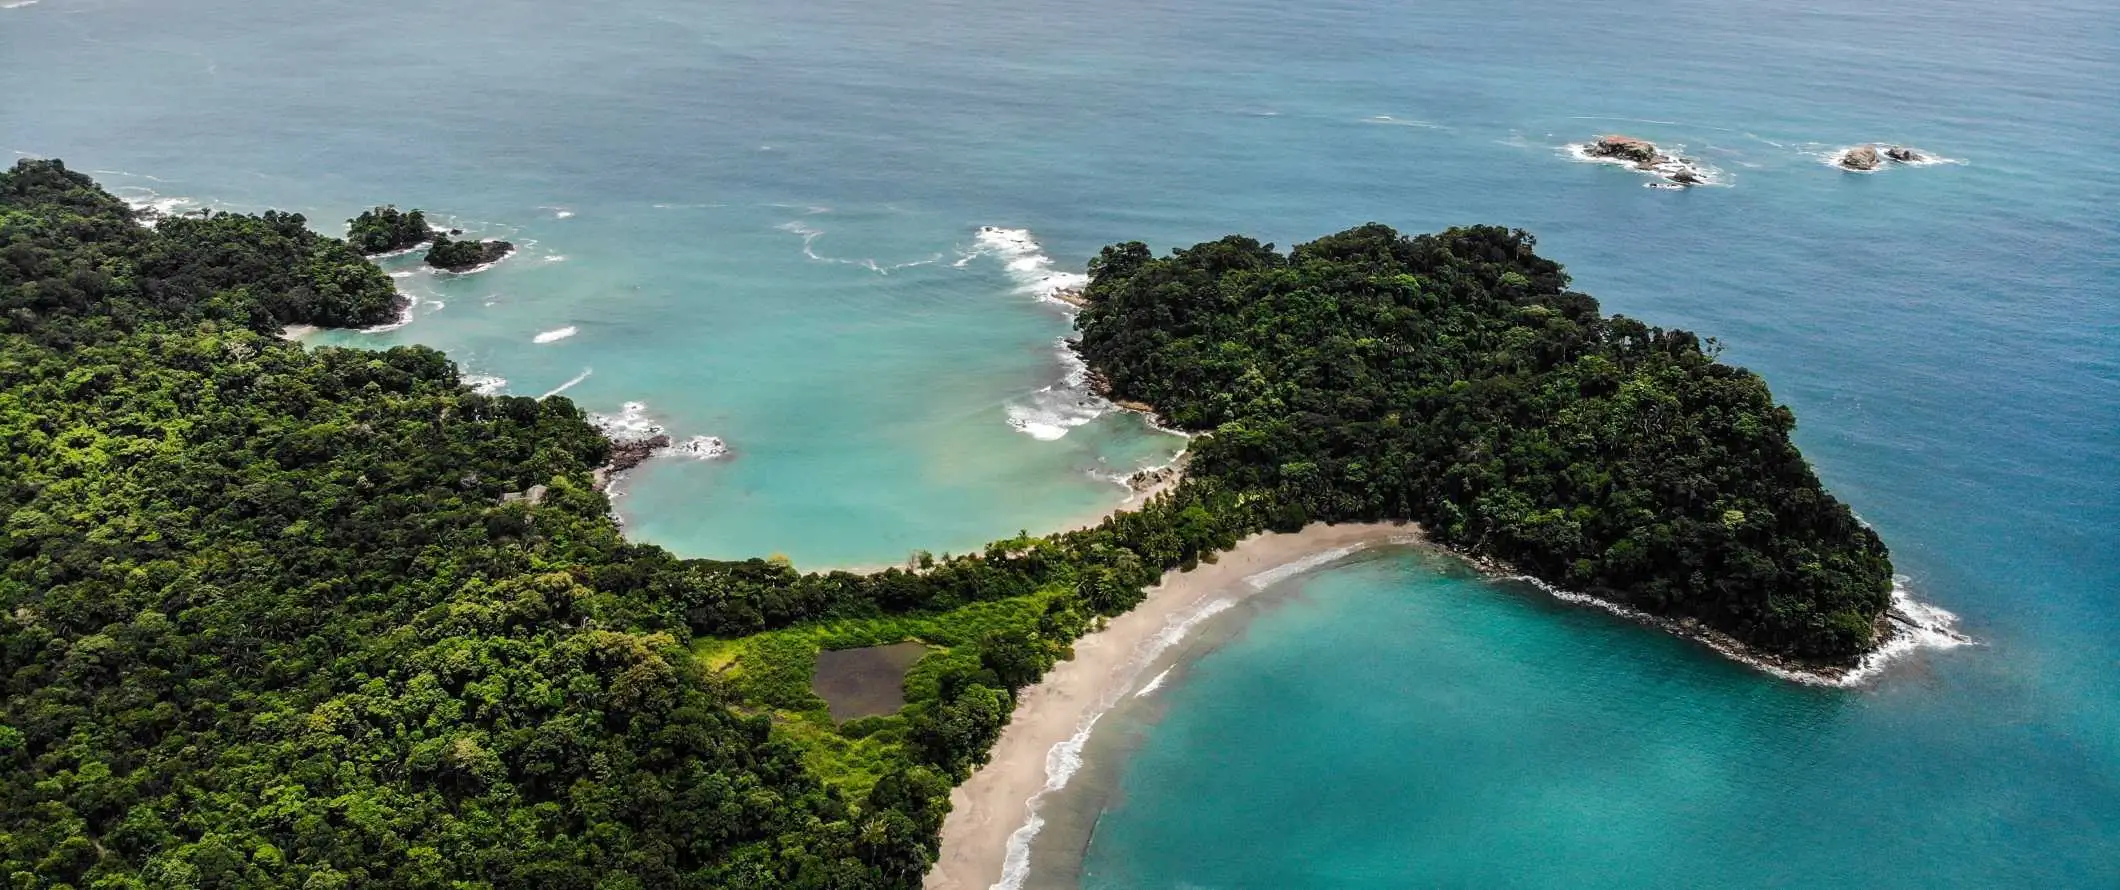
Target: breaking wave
555,334
485,384
1915,626
1064,759
1052,411
1285,571
1025,261
584,375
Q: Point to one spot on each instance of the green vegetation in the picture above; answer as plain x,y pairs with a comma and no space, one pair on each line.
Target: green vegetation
1453,379
386,229
266,620
458,256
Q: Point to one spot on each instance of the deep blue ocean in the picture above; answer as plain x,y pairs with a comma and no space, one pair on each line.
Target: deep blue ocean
763,222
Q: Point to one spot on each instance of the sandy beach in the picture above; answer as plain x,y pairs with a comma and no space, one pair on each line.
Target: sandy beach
990,807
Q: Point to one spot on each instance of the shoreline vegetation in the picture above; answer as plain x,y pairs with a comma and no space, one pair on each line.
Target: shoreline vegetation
257,586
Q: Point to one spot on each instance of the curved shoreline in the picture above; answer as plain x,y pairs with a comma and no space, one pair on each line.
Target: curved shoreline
993,815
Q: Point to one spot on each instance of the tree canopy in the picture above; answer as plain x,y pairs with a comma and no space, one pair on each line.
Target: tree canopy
268,617
1454,379
387,229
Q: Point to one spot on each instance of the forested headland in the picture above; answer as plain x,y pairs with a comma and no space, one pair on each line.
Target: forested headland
268,620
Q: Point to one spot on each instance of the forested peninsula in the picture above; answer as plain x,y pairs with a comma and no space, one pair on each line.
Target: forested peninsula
268,618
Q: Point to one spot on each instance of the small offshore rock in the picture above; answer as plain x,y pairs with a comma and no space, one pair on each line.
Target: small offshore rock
1627,148
1861,157
1903,154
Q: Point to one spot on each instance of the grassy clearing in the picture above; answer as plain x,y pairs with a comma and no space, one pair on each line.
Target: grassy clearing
771,672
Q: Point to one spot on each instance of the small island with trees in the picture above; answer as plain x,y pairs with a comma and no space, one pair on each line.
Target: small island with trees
279,616
463,256
386,229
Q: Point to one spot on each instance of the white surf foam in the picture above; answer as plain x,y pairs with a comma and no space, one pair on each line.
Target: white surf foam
17,4
1388,120
1924,626
1052,411
1833,157
1674,163
1932,628
555,334
631,422
1064,759
701,448
485,384
584,375
1154,683
1061,763
635,422
154,206
1285,571
1025,261
404,316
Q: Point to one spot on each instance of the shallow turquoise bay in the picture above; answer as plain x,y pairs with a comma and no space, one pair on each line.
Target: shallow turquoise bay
762,222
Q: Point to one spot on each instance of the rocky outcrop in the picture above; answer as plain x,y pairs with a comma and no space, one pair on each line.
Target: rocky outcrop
626,455
1861,157
1152,478
1643,155
1625,148
1904,155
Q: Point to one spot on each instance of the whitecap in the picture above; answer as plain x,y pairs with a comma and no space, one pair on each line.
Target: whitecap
17,4
1402,122
485,384
555,334
584,375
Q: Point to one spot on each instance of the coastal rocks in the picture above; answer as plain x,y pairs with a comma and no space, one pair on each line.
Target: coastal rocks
630,453
1672,171
1625,148
464,256
1153,478
1862,158
1870,158
701,447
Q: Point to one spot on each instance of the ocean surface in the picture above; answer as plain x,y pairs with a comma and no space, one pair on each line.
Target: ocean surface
821,232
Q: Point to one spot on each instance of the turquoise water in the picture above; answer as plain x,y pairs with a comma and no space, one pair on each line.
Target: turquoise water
1948,334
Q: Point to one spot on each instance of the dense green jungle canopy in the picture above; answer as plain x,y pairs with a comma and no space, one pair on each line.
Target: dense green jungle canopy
1453,379
267,620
